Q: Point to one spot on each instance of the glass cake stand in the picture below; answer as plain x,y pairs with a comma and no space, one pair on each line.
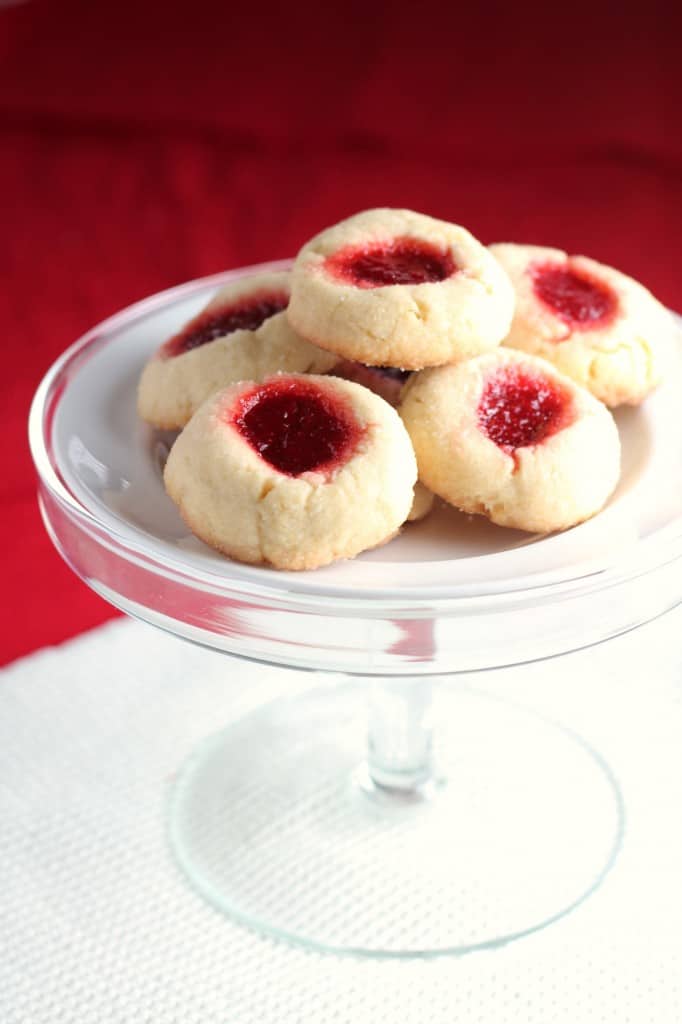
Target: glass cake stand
390,810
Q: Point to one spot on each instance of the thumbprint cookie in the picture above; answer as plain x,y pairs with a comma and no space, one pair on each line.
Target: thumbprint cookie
295,471
397,288
387,382
506,435
242,334
595,324
422,503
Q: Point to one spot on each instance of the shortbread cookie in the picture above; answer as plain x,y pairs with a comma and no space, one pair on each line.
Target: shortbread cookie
422,503
387,382
243,334
598,326
296,471
508,436
397,288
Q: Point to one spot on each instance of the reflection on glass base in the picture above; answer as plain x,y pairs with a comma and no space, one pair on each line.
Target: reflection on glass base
276,823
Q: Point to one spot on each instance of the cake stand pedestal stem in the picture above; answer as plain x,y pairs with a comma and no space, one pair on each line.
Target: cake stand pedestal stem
400,734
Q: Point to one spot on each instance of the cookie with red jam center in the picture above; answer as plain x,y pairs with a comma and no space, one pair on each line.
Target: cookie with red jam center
508,436
398,289
295,471
242,334
595,324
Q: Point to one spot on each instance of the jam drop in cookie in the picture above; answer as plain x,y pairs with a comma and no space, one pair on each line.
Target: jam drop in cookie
397,288
243,334
595,324
295,471
508,436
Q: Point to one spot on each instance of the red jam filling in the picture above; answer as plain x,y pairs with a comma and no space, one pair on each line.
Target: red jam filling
521,407
580,300
400,261
245,314
297,426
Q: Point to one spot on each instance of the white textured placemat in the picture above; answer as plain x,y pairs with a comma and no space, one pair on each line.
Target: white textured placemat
96,925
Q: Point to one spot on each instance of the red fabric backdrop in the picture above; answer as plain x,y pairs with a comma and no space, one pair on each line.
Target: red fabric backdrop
142,145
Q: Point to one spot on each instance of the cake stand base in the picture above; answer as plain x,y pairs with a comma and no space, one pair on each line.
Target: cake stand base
280,823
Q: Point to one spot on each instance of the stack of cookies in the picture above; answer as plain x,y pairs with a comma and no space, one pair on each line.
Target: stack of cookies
321,409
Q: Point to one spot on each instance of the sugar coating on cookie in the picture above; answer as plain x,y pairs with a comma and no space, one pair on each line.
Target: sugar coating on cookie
242,334
397,288
295,471
595,324
506,435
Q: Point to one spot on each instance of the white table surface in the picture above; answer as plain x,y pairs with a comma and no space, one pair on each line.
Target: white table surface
96,925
